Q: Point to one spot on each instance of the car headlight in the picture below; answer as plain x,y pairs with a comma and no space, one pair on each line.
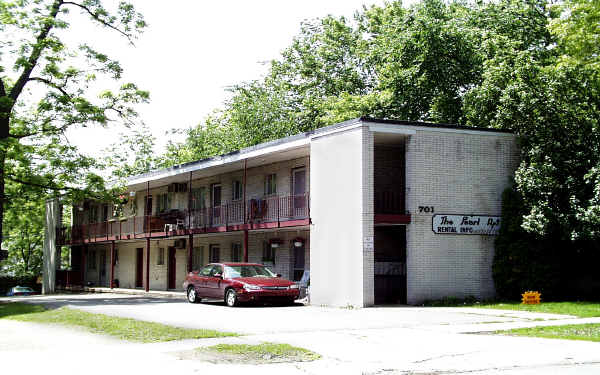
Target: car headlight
294,286
251,287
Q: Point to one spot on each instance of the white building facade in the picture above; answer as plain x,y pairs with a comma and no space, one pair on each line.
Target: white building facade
375,211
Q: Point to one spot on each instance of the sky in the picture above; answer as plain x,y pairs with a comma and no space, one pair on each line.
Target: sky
193,50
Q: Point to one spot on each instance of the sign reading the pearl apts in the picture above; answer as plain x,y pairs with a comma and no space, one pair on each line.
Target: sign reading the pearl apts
466,224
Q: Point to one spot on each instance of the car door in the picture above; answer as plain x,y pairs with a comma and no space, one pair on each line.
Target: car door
214,282
201,280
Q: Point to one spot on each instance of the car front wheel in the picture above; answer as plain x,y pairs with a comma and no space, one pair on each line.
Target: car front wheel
231,298
192,296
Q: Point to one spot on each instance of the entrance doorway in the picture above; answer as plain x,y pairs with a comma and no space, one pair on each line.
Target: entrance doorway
299,189
171,268
299,260
139,267
103,260
390,265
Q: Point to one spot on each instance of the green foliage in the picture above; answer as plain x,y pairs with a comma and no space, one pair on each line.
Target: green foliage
524,261
133,154
24,231
530,67
47,87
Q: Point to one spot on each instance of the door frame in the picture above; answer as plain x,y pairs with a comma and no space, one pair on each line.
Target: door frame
171,268
139,267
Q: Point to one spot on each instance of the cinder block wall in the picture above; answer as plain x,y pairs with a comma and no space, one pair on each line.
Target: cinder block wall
456,172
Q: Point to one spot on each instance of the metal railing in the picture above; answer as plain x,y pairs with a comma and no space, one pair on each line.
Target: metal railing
259,210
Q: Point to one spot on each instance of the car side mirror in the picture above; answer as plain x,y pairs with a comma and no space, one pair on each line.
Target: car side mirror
278,275
218,275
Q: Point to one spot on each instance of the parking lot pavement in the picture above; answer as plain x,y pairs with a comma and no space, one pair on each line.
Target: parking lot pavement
298,318
374,340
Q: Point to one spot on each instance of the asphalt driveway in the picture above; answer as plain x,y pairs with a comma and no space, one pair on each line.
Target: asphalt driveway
373,340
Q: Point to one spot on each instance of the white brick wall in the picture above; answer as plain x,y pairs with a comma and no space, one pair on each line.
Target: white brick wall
368,194
456,173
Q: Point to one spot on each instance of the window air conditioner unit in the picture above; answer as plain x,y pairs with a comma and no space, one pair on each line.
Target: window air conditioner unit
180,243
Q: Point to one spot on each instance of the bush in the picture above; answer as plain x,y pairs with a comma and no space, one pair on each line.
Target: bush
557,268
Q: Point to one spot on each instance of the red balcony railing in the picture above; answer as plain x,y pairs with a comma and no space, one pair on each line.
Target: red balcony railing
262,210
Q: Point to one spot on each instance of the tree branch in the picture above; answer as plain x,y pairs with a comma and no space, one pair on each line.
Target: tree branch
51,84
95,16
35,53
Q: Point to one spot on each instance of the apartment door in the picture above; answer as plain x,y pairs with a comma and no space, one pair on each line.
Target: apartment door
171,268
390,264
139,267
299,261
216,204
299,192
103,274
147,212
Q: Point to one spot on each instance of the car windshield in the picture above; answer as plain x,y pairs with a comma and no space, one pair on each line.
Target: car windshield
22,289
247,271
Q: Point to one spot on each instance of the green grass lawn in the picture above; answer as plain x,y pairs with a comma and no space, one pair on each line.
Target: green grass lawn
579,309
265,352
123,328
587,332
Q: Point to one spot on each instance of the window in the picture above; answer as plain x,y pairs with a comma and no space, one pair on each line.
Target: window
214,254
206,271
116,260
271,184
160,256
268,253
236,252
93,214
237,191
164,202
91,260
198,198
197,257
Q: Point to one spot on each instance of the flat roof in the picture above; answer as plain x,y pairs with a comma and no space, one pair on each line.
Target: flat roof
291,142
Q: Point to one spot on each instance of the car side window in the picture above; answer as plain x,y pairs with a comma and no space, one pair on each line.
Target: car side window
216,270
206,271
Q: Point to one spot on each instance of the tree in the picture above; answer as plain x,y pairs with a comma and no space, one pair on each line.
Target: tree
133,154
24,228
45,88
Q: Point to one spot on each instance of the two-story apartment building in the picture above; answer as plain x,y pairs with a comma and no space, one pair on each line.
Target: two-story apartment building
374,211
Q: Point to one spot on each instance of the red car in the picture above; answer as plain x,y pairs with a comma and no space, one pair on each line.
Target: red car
239,282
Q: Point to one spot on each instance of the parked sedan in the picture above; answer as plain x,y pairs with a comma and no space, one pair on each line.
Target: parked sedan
20,291
239,282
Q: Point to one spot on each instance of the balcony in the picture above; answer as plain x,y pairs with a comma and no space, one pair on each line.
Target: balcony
262,213
390,208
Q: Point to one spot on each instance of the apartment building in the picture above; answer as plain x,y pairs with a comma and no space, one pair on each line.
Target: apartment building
374,211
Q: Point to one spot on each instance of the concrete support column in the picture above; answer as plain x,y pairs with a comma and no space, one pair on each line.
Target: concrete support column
189,254
49,249
246,245
147,282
